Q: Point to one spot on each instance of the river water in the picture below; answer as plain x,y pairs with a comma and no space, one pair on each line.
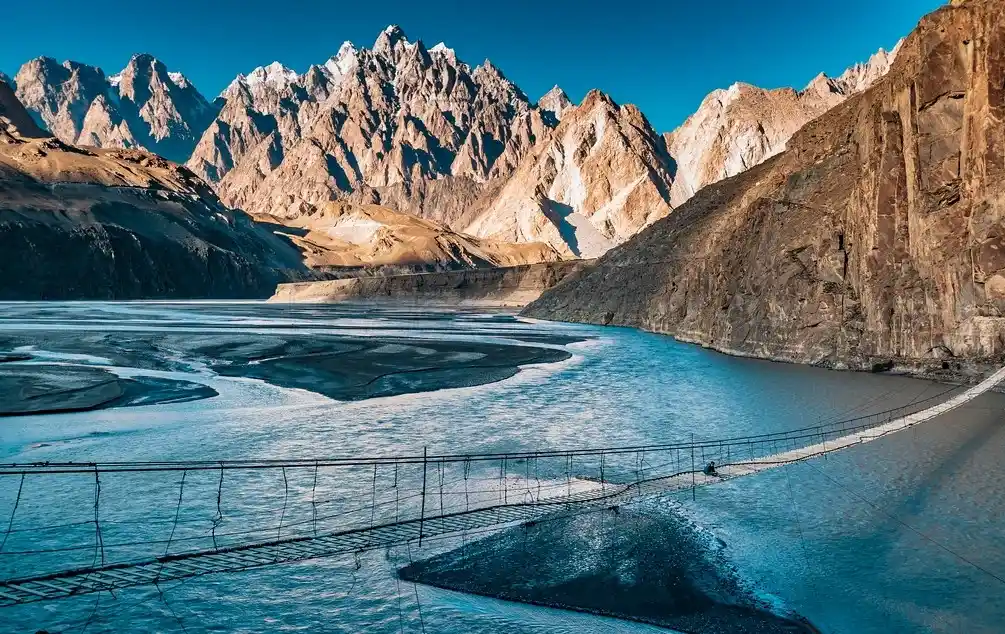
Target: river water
900,535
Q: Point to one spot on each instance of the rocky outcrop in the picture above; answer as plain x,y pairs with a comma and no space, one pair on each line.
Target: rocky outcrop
14,119
345,238
79,223
501,286
144,106
875,238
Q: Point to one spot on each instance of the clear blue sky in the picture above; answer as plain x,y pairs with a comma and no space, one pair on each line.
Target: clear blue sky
663,56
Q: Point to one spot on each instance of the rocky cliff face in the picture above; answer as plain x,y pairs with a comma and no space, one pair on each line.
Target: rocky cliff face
876,237
144,106
116,224
14,119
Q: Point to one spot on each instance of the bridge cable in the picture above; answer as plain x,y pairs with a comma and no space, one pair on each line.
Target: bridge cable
218,519
10,524
914,530
397,578
798,521
282,516
98,543
373,504
13,468
314,487
415,588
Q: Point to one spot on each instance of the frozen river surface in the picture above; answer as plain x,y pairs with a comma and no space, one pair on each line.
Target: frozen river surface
900,535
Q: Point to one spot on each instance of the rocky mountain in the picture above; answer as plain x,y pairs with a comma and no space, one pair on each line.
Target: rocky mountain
114,223
421,132
740,127
389,119
144,106
598,178
15,122
875,239
555,102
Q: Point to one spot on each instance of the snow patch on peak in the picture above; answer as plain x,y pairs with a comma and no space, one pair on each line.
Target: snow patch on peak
443,49
343,62
275,74
179,80
347,49
115,80
555,101
390,43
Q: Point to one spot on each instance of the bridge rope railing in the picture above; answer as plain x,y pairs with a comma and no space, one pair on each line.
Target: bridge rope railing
268,511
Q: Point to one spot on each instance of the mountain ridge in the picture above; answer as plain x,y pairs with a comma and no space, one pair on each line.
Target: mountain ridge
425,133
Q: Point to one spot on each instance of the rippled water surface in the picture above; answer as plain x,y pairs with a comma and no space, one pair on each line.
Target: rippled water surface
888,537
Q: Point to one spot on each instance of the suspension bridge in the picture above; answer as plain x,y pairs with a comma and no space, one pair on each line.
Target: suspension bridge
222,515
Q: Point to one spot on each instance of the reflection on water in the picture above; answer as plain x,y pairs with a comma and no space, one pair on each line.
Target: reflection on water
827,537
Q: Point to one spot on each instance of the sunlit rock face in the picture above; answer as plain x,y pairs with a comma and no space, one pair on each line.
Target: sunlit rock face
143,106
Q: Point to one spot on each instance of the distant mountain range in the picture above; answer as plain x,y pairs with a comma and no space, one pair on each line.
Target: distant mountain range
419,131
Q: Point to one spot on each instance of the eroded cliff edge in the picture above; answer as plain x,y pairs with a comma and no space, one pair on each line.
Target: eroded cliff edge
877,237
511,286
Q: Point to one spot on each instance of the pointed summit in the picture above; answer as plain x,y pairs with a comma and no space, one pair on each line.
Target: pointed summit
342,63
390,43
488,68
555,101
443,49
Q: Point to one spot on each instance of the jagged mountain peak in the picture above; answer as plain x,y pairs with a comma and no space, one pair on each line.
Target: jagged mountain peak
597,97
342,63
393,33
743,125
180,80
862,75
144,105
390,43
142,59
275,74
555,101
488,69
443,49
